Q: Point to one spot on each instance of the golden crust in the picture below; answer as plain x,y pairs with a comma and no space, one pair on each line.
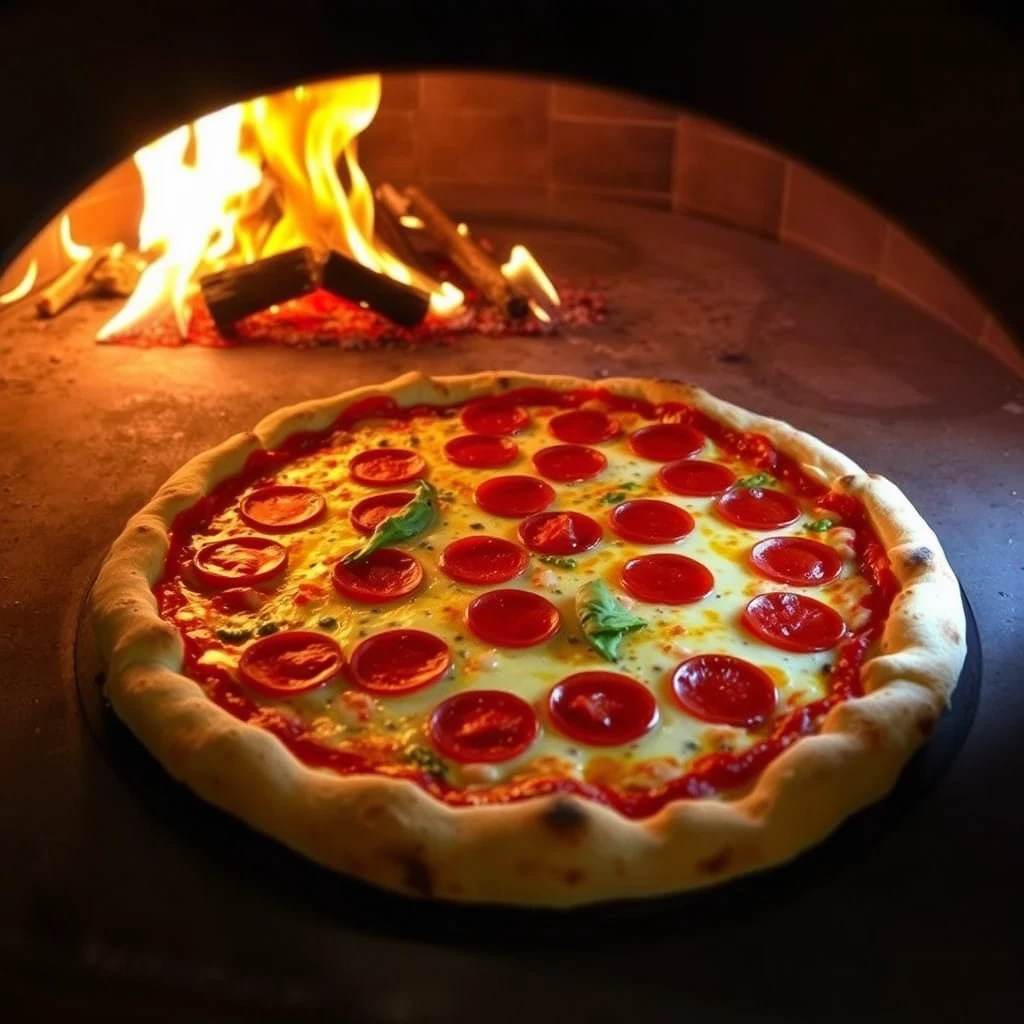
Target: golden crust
554,851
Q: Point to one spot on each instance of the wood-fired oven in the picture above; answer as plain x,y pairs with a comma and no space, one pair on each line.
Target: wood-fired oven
814,212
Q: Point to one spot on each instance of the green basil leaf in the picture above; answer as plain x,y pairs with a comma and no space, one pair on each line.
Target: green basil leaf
413,519
603,620
757,480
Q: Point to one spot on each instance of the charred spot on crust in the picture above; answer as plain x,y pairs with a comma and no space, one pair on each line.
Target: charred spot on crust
716,863
848,480
920,556
870,733
573,876
925,723
416,875
952,633
504,383
567,820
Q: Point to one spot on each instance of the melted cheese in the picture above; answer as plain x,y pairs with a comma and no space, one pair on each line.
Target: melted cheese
336,714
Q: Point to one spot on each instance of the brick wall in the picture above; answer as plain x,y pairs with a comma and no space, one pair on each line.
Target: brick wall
523,136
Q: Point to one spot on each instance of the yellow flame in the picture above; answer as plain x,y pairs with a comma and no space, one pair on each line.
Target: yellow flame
74,252
408,220
463,229
525,273
189,212
23,287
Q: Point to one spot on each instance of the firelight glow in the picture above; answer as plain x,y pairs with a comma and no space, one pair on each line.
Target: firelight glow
263,177
23,287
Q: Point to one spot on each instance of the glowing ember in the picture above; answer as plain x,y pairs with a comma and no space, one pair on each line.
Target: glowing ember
23,287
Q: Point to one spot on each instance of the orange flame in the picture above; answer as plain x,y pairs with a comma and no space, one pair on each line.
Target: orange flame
23,287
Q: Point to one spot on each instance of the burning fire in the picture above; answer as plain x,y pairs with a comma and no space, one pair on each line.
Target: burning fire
261,178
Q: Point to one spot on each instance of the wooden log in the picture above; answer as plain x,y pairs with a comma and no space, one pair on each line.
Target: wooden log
237,292
477,265
67,286
388,228
400,303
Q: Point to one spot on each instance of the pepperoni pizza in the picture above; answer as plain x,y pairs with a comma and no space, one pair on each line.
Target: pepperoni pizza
533,640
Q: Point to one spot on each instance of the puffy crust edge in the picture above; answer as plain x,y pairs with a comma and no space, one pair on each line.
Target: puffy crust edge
553,851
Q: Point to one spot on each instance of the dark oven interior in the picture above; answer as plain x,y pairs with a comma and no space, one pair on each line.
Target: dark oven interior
814,212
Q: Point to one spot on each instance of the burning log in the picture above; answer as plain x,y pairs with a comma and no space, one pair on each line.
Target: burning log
400,303
480,268
236,292
69,285
389,230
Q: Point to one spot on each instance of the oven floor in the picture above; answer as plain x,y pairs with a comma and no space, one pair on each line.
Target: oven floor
110,910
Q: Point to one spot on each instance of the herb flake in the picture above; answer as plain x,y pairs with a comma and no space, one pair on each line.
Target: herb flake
820,525
427,760
757,480
559,562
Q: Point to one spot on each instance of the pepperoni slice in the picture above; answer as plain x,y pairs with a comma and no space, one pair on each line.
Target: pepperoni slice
667,579
514,496
490,416
604,709
281,507
386,574
481,451
560,533
696,478
483,726
648,521
512,618
239,561
758,508
583,426
568,463
289,663
483,560
399,661
799,561
666,442
378,466
368,514
794,622
725,690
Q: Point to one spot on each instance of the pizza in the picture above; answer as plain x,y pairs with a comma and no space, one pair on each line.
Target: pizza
529,639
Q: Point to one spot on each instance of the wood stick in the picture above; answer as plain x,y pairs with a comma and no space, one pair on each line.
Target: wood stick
401,303
67,286
239,291
480,268
390,231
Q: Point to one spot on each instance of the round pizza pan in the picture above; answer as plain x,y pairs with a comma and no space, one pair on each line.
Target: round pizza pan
363,906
